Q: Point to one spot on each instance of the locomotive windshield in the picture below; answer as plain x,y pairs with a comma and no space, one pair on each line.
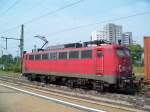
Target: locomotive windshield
127,53
123,52
120,53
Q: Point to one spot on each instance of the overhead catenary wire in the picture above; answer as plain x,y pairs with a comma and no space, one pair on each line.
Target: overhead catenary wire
54,11
6,11
9,8
2,5
44,15
96,23
76,27
89,25
18,26
10,29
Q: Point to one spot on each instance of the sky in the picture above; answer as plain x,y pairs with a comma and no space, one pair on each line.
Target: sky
83,13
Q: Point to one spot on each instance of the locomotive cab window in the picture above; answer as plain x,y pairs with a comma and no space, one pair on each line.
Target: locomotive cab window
120,53
99,53
128,53
86,54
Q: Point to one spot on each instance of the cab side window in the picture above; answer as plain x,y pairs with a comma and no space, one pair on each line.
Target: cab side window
99,53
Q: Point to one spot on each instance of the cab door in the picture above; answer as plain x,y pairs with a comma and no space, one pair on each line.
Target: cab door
99,62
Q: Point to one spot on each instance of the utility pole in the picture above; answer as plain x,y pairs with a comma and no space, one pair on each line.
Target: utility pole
21,46
22,41
6,43
7,39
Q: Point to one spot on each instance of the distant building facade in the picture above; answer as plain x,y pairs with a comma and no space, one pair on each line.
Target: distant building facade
127,38
112,33
98,35
118,33
109,30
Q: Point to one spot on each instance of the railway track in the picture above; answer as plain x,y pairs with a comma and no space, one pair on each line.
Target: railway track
113,101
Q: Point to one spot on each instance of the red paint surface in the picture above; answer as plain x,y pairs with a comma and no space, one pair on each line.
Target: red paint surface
107,65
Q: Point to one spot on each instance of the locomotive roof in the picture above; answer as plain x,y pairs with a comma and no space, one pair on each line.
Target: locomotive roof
81,48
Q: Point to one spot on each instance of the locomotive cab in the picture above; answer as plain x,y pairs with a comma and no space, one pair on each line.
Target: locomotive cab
124,71
124,62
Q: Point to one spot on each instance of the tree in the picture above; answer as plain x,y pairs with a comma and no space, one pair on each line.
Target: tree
136,52
7,58
10,63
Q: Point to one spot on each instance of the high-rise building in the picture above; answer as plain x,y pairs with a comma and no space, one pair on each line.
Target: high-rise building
118,34
114,34
127,38
110,32
98,35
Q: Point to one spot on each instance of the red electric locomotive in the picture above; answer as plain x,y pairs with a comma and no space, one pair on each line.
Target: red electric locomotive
90,64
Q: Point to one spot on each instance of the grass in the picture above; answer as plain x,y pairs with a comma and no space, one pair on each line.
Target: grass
139,72
9,73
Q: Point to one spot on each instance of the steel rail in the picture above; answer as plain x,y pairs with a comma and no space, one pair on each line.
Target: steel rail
70,96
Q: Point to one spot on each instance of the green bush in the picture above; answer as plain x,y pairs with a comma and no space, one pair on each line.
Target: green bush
12,67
